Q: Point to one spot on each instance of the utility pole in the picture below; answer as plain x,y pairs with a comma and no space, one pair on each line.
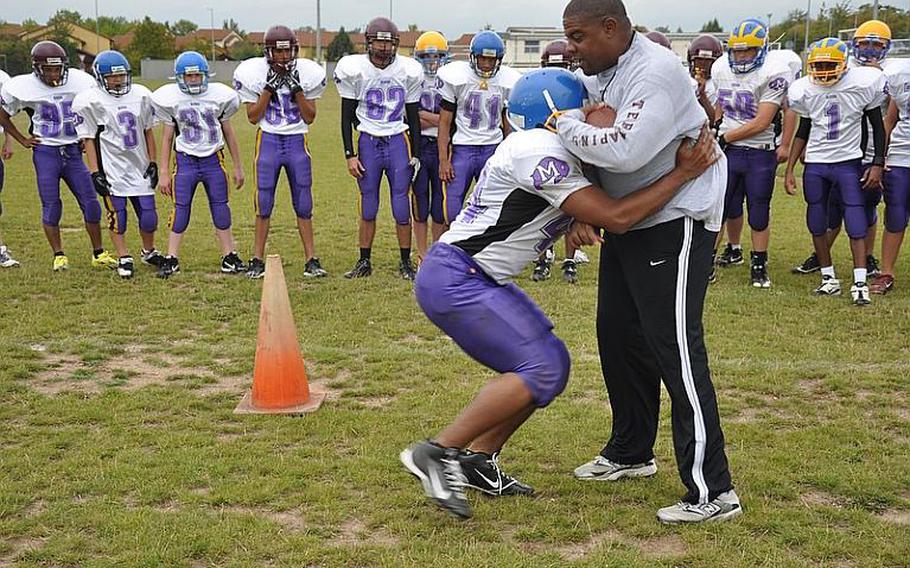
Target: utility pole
390,10
806,39
97,31
875,9
318,32
212,31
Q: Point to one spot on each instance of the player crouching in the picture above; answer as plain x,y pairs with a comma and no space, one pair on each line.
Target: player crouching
525,199
117,121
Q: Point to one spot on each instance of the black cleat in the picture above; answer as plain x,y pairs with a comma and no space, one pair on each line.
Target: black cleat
255,268
569,271
541,270
362,269
151,257
406,270
125,267
712,276
731,256
231,263
312,269
168,267
482,473
872,267
808,266
760,278
440,473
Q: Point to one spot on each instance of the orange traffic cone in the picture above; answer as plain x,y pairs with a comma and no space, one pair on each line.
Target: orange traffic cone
279,377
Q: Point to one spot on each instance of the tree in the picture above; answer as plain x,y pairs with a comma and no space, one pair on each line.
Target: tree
65,16
30,25
60,33
233,26
662,29
244,50
679,29
182,27
151,40
18,55
341,45
412,27
712,26
110,27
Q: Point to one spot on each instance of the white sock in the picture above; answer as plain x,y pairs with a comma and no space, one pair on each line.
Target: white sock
736,247
828,271
859,275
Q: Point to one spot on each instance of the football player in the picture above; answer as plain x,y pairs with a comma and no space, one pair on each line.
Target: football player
199,115
6,152
432,51
280,92
116,129
525,199
701,55
474,96
832,103
750,91
380,93
47,95
659,38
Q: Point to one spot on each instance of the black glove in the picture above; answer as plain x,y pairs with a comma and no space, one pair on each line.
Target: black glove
292,80
102,187
151,174
273,81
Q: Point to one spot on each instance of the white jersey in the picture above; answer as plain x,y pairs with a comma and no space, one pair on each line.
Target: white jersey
837,112
480,102
740,94
381,93
430,100
119,124
789,58
513,214
869,154
196,118
282,116
710,90
3,79
898,77
50,108
655,110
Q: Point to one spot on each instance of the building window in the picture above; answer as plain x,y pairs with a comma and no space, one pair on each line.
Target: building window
532,46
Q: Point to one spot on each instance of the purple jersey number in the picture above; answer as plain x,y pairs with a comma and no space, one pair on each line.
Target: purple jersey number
430,101
738,105
55,120
282,109
474,110
376,100
127,120
832,111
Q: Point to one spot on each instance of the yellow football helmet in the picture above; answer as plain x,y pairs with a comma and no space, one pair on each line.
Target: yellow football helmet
871,42
749,34
432,51
827,61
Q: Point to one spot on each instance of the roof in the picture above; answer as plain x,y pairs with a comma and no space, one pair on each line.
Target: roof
11,29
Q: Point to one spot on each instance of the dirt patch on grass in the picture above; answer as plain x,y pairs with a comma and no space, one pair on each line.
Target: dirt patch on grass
578,550
291,520
816,498
19,547
354,532
896,516
664,547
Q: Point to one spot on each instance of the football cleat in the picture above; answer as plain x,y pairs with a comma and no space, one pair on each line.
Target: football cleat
602,469
440,473
125,267
731,256
569,271
6,259
313,269
169,266
724,507
759,274
830,286
482,473
581,257
406,270
882,284
361,269
151,257
860,294
61,263
231,263
541,270
712,276
104,260
808,266
255,268
872,266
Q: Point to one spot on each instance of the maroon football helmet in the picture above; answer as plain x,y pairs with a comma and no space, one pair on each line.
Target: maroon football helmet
703,52
382,41
49,62
659,39
276,40
554,55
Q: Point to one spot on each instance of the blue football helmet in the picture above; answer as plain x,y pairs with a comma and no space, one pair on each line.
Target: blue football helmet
191,63
748,34
540,96
110,64
487,44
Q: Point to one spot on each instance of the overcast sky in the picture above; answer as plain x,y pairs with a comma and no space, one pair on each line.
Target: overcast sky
450,17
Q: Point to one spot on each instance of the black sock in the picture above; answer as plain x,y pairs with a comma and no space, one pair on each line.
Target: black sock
405,254
95,252
365,253
60,253
759,257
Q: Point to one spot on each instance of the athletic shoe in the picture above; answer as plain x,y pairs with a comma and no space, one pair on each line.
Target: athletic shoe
712,276
872,266
61,262
860,294
6,259
255,268
406,270
581,257
312,269
104,260
168,267
361,269
441,475
731,256
482,472
760,278
231,263
125,267
830,286
151,257
882,284
541,270
602,469
723,508
808,266
569,271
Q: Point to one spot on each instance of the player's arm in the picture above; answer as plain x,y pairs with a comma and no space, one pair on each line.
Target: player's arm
255,111
593,206
504,120
444,139
11,130
164,158
151,172
787,132
230,139
891,119
704,100
428,119
348,116
762,121
412,113
7,151
796,150
872,178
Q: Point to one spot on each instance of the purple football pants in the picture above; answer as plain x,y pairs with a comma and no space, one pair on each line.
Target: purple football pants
388,154
750,176
897,198
467,162
824,182
871,197
143,205
210,172
276,151
498,325
53,163
427,188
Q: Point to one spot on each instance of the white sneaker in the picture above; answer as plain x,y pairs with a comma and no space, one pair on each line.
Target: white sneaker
125,267
829,287
602,469
724,507
6,260
860,294
581,257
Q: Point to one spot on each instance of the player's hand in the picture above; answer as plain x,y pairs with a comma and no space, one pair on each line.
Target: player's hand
355,168
7,151
151,174
872,178
102,186
583,234
446,172
790,182
164,185
693,159
415,168
783,153
273,81
29,142
292,80
239,178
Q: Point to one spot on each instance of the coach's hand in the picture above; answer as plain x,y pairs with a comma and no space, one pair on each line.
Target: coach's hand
582,234
693,158
151,174
446,172
102,186
239,178
355,168
790,182
164,185
872,178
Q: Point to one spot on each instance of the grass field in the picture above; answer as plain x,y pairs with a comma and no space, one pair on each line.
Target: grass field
118,446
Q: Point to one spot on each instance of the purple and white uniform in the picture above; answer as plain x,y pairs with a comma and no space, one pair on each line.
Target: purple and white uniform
833,153
464,285
281,139
478,124
897,177
427,188
58,156
197,120
116,126
382,145
3,79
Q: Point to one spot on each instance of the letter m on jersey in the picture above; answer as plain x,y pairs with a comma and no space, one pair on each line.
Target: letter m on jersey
549,171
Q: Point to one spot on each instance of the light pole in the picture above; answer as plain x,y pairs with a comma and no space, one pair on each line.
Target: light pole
390,9
318,32
212,30
875,9
97,30
806,39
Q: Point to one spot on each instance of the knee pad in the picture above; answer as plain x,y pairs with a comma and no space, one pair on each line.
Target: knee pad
303,203
148,220
221,215
265,201
817,219
759,215
180,219
53,211
548,374
855,222
896,218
